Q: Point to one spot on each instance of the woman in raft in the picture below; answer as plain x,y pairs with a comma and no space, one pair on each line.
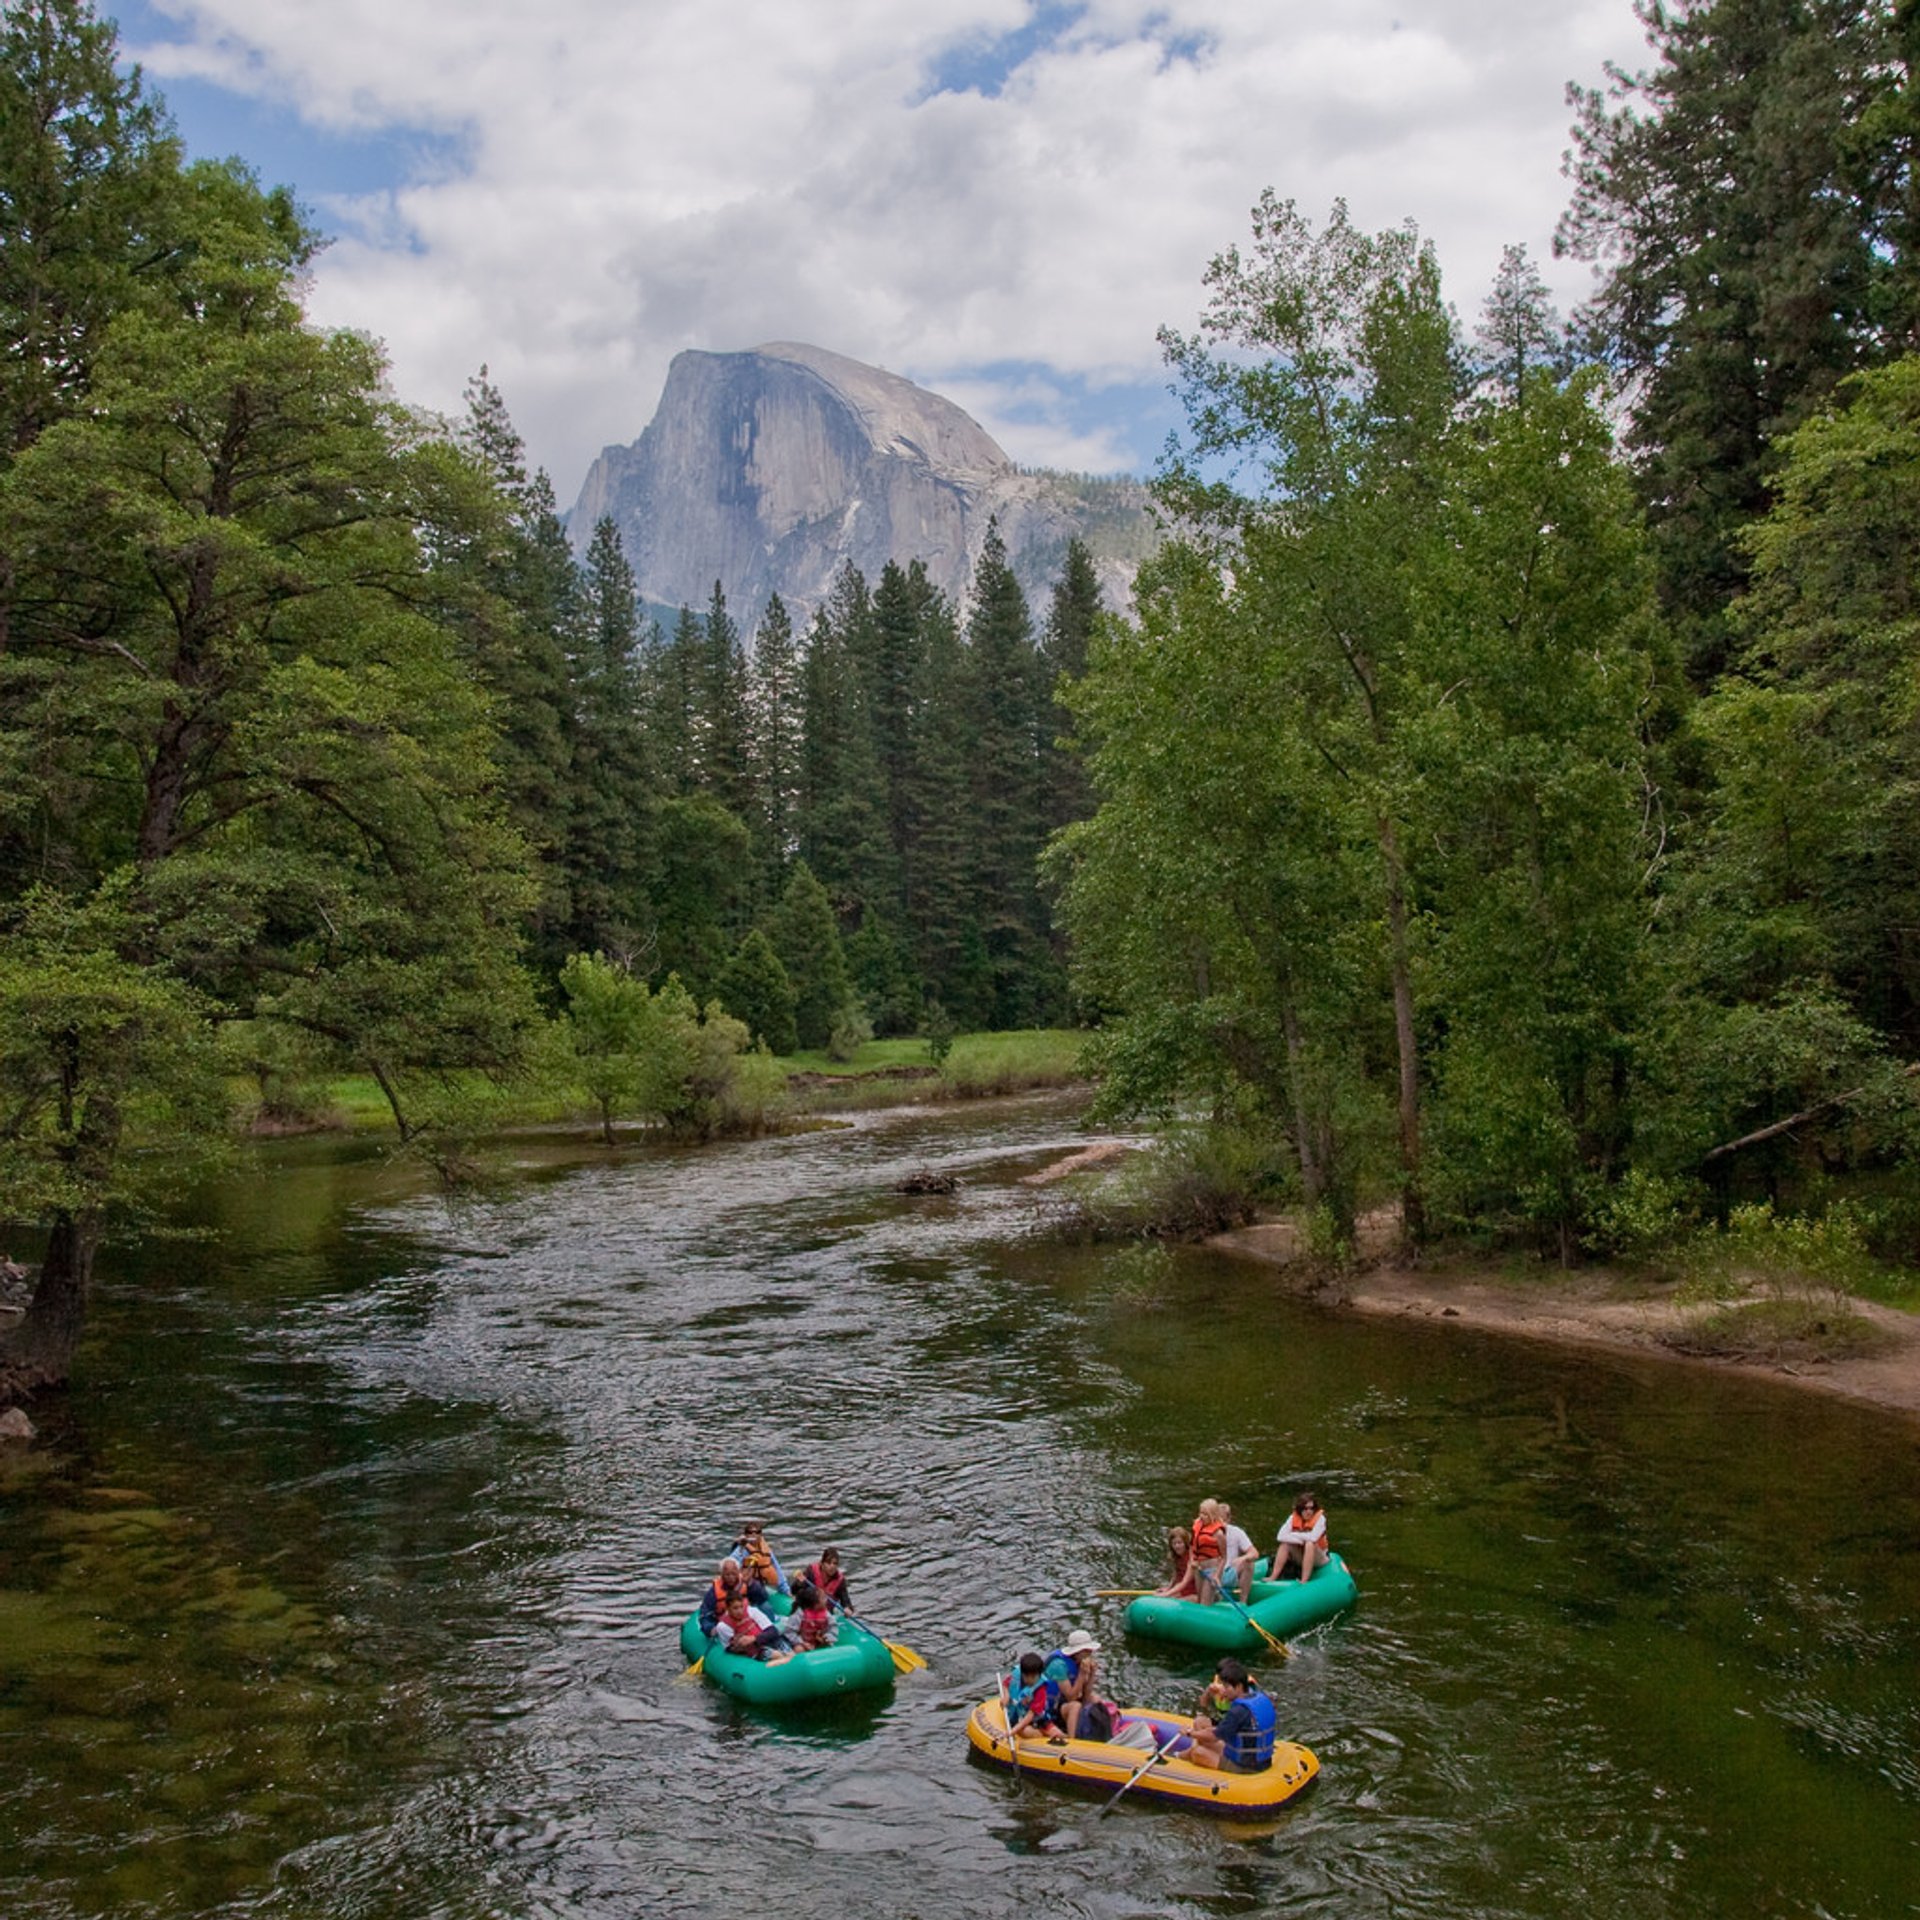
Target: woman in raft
825,1574
1303,1538
1177,1569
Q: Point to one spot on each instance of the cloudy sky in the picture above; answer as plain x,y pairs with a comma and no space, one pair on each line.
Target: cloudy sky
1001,199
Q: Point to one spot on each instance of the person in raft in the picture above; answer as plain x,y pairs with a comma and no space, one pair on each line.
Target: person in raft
826,1575
1209,1551
758,1564
745,1630
1240,1738
1032,1709
723,1586
1071,1671
1177,1569
1241,1554
811,1625
1303,1537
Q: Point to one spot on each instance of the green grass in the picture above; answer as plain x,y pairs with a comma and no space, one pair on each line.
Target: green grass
979,1065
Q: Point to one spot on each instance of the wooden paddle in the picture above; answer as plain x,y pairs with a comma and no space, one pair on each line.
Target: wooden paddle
905,1660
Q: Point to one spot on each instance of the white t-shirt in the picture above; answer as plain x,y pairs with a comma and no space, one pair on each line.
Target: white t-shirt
1239,1544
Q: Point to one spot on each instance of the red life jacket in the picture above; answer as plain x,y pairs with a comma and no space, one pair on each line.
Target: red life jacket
814,1624
829,1589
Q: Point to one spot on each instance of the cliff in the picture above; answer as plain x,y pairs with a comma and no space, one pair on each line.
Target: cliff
770,470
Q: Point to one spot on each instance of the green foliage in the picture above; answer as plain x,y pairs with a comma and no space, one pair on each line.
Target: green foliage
938,1030
850,1031
757,990
803,933
1195,1180
1749,196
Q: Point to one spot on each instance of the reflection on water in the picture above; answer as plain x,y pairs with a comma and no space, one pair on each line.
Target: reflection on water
349,1584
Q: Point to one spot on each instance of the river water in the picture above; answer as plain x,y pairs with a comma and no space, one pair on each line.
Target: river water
348,1582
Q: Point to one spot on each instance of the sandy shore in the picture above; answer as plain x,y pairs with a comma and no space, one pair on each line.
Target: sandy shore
1596,1309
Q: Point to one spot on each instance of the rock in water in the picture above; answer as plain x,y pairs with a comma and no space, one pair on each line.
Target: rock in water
770,470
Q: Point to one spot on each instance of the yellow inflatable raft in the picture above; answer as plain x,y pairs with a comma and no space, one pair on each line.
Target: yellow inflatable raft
1109,1764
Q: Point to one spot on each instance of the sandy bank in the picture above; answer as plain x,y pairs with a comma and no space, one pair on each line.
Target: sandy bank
1594,1309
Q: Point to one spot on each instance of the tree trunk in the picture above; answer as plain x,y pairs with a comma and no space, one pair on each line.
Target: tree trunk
1412,1207
1306,1136
39,1352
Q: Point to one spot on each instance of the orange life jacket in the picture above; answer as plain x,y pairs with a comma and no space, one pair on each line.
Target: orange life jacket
1209,1539
757,1563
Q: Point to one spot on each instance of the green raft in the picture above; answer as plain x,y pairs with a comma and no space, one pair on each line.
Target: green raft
1280,1607
856,1661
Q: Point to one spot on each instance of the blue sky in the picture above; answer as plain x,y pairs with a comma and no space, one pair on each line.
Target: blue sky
1002,199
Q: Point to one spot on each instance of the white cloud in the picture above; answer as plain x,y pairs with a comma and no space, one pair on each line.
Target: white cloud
638,178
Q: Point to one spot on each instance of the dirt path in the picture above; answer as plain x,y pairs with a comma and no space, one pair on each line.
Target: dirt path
1597,1310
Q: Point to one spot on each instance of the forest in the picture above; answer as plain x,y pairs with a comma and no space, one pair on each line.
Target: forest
1500,799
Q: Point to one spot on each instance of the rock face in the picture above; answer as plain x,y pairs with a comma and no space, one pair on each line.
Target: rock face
771,470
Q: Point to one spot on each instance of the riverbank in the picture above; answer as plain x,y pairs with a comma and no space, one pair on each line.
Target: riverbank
1597,1308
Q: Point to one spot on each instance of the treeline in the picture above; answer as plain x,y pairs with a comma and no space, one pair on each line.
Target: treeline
1522,830
835,828
319,751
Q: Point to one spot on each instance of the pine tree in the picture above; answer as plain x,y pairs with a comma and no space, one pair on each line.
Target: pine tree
1071,613
611,852
774,735
1004,676
755,989
725,772
1751,194
842,829
807,940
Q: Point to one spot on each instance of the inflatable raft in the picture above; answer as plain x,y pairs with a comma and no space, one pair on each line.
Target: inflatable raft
1109,1764
1280,1607
856,1661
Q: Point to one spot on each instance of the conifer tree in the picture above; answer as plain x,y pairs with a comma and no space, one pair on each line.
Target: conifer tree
611,853
1750,196
842,829
774,735
755,989
1004,679
803,932
1071,614
722,728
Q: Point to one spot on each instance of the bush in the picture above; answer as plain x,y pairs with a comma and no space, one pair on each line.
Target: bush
850,1031
1195,1181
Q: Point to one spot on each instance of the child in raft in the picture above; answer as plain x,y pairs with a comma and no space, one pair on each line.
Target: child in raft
1209,1532
1303,1537
1032,1703
826,1575
746,1631
811,1624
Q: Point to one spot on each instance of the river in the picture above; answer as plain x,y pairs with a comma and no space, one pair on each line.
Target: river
347,1581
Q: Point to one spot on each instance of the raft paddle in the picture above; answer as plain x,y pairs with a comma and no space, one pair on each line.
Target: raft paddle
905,1660
1124,1593
1159,1753
1280,1647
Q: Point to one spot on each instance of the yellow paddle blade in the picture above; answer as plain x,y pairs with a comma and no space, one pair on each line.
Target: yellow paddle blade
905,1660
695,1668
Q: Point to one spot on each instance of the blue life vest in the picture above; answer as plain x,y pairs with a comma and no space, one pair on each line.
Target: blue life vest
1253,1748
1042,1696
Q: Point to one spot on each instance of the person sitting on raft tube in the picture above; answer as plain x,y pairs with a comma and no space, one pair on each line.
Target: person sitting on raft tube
1177,1569
1241,1739
811,1623
1071,1671
1209,1552
1302,1538
757,1561
748,1632
724,1585
826,1575
1241,1553
1032,1708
